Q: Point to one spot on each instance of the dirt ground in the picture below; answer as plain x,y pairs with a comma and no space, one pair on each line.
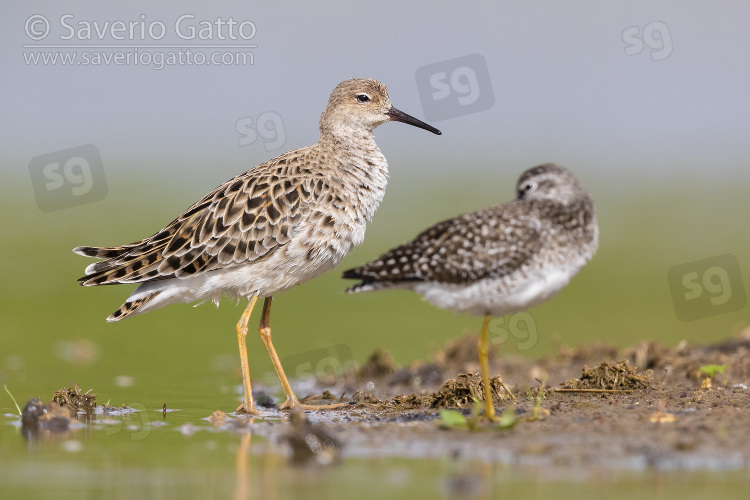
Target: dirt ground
588,410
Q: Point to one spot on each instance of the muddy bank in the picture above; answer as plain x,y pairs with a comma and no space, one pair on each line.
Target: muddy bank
588,409
585,411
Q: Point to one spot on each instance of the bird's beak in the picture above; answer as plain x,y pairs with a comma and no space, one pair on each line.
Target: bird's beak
399,116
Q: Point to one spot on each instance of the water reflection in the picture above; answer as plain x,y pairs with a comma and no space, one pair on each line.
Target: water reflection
242,473
310,443
45,422
55,422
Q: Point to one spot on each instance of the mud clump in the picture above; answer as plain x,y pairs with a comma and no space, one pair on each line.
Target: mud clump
411,401
324,397
50,416
53,420
609,376
464,390
364,397
460,392
45,421
73,398
218,418
56,419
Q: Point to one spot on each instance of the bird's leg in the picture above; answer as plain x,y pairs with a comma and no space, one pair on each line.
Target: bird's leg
265,335
484,350
489,406
291,401
247,406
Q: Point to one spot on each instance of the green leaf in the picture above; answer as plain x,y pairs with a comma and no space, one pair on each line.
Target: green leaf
453,418
507,419
712,370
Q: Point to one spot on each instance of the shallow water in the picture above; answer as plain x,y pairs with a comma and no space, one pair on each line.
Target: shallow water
166,461
182,455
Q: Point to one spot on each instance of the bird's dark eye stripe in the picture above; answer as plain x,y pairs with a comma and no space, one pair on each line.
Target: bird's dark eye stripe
363,98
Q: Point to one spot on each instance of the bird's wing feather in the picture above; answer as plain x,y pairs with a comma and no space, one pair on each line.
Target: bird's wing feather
242,221
487,243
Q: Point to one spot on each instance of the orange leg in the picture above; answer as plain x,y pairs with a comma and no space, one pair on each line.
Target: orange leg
291,401
247,406
484,350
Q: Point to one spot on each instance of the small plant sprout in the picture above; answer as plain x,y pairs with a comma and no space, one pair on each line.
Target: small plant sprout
11,397
537,412
711,371
453,418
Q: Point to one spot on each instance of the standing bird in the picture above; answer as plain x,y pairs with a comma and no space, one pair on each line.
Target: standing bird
275,226
500,260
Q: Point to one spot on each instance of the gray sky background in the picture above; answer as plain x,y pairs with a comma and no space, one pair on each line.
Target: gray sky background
564,88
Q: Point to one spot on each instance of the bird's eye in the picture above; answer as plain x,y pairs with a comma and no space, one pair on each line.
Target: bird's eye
363,98
526,188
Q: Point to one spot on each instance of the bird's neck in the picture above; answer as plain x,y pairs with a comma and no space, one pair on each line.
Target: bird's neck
353,147
357,162
344,137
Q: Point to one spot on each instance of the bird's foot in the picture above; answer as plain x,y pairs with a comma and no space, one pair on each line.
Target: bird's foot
294,404
247,409
489,414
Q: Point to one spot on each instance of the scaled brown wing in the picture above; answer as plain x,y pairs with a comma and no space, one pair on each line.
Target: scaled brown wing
241,221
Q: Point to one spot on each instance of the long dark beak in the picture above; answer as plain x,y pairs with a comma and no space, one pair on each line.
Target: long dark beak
400,116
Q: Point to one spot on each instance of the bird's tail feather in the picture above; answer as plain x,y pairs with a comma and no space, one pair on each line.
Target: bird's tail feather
131,307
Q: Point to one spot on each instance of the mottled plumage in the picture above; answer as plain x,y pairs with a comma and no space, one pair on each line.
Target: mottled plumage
549,229
270,228
484,244
499,260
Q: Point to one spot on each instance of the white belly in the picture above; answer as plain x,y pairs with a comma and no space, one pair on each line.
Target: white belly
498,297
